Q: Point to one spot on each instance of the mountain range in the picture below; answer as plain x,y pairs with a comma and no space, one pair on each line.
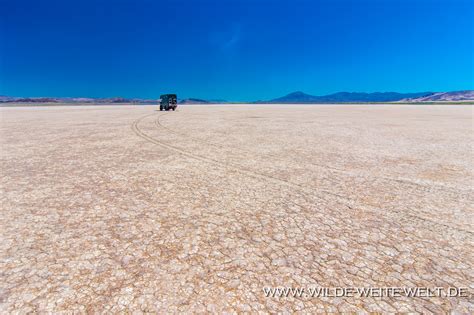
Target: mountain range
351,97
292,98
72,100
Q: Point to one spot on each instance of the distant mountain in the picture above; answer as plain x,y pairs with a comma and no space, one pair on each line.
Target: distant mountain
445,97
76,100
200,101
4,98
107,100
296,97
28,99
193,101
347,97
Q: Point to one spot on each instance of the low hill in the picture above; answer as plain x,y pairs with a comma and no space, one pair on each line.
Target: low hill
76,100
467,95
188,101
193,101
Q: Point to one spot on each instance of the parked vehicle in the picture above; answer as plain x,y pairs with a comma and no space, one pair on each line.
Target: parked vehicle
168,101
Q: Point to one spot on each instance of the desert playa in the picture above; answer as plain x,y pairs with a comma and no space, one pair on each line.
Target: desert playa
125,208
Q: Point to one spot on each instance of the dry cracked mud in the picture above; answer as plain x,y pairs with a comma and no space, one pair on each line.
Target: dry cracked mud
128,209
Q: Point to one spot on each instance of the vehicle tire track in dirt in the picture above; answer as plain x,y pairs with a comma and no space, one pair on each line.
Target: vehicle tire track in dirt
236,168
413,187
347,202
452,191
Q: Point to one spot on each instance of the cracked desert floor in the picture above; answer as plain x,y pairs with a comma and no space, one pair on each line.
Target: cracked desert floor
125,208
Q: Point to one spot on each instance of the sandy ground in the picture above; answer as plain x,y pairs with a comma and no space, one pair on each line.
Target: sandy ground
114,208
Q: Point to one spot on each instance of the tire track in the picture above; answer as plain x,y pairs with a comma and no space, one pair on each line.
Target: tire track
414,189
234,167
347,202
453,192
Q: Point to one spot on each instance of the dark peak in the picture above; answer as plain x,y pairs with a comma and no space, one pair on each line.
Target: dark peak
298,93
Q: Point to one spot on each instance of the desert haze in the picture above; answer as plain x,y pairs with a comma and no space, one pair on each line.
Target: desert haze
125,208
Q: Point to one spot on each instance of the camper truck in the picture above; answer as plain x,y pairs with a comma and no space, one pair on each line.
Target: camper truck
168,101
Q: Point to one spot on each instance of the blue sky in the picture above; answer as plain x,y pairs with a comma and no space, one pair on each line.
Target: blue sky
238,50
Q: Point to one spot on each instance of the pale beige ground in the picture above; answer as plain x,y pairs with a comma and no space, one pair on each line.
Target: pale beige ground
126,208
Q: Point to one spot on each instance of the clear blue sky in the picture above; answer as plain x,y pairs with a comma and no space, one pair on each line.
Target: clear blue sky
235,50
